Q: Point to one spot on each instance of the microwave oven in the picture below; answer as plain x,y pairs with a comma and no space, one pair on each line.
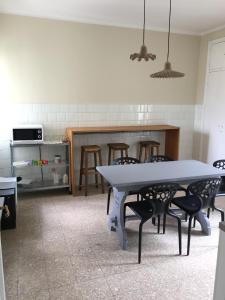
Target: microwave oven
30,134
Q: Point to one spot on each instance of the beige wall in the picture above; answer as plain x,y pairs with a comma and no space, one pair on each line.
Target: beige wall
203,62
48,61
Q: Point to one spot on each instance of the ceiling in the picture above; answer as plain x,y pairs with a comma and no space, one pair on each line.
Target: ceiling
188,16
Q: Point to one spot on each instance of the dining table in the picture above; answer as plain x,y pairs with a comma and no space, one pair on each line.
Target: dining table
127,178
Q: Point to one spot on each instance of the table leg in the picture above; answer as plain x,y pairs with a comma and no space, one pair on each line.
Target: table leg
116,218
201,218
204,222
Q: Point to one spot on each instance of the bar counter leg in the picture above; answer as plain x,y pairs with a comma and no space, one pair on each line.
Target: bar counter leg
116,217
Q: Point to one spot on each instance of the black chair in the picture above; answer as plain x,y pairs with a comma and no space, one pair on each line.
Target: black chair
219,164
155,200
122,161
159,158
199,195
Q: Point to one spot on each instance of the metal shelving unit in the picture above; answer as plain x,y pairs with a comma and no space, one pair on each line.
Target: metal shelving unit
43,182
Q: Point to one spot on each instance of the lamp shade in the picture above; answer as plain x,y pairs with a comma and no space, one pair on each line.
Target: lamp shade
167,72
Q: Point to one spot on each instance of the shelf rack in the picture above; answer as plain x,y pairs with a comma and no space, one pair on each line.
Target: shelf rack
42,184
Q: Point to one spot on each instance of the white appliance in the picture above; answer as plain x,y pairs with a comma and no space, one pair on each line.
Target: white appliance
27,134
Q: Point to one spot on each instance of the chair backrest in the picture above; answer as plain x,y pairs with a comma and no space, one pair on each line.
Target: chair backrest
159,195
159,158
126,161
219,164
205,190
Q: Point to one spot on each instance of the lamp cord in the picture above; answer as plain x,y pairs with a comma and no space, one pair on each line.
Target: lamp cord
168,49
144,26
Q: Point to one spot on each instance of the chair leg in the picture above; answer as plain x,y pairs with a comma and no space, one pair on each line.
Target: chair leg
158,223
194,223
153,221
108,200
164,223
189,235
208,212
179,230
139,242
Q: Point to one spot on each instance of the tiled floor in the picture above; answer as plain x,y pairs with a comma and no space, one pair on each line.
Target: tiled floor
62,249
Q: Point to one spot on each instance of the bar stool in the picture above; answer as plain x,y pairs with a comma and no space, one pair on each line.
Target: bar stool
148,147
113,147
86,170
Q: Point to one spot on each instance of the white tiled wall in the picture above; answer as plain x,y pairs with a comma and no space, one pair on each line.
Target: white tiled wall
57,117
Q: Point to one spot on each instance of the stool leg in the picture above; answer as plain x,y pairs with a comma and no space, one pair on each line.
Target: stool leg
140,153
109,157
96,175
149,152
100,163
126,152
152,150
157,150
113,154
81,168
146,154
86,172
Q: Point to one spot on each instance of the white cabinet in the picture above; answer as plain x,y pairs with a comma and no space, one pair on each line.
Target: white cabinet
213,136
217,57
219,287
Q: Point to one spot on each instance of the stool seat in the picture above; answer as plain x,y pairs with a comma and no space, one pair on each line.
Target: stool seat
118,146
149,143
91,148
113,147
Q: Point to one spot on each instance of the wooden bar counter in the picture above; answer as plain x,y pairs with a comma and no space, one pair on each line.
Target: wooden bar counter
171,140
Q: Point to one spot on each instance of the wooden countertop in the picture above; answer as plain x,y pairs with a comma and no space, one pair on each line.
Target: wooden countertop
120,128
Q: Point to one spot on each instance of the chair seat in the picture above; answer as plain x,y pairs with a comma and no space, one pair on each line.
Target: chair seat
149,143
145,209
91,148
118,146
189,204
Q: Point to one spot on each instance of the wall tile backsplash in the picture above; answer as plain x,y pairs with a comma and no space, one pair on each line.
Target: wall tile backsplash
57,117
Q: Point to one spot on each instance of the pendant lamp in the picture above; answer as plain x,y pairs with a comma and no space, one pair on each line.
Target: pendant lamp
143,54
168,72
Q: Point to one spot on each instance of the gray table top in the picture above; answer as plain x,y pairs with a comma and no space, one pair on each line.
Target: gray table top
132,177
